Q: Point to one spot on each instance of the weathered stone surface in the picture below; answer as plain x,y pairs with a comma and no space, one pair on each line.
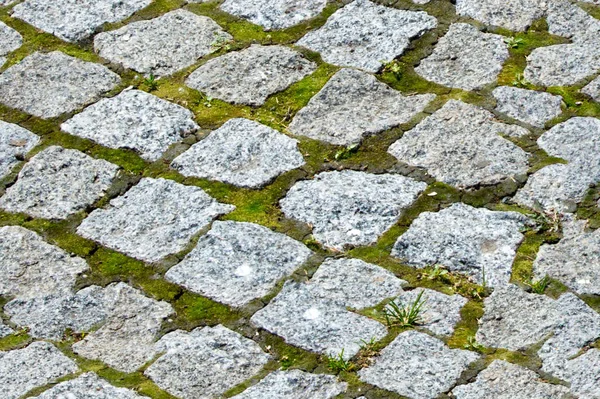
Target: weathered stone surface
592,89
57,183
222,357
10,40
352,105
303,318
359,34
583,374
503,380
50,84
515,15
133,119
251,75
88,386
274,14
15,142
465,58
529,106
569,20
561,187
354,283
440,312
294,384
515,319
460,145
563,64
466,240
31,267
154,211
5,330
574,261
241,152
163,45
75,20
36,365
235,263
418,366
125,340
349,207
579,326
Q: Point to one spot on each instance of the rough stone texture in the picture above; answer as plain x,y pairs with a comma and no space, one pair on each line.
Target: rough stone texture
440,312
274,14
57,183
558,186
574,261
465,58
34,366
251,75
154,211
235,263
503,380
125,340
222,357
563,64
241,152
460,145
354,283
31,267
5,330
133,119
304,319
569,20
529,106
359,35
88,386
15,142
583,373
294,384
352,105
466,240
50,84
349,207
163,45
74,20
10,40
50,315
592,89
579,326
418,366
515,15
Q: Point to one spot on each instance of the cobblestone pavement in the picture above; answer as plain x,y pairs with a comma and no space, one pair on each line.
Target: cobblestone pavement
300,199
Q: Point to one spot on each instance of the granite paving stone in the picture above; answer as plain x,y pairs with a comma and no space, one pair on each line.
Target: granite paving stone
242,152
154,210
48,85
251,75
163,45
88,386
15,143
359,35
236,262
532,107
277,14
353,105
592,89
10,40
57,183
350,207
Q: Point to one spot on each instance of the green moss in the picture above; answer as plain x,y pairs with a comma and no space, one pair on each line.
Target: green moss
522,270
193,310
466,329
14,341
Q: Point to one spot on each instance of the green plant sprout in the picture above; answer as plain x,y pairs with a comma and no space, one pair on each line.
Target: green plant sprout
405,316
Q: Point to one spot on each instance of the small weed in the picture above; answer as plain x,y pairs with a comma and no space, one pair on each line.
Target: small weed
346,153
337,363
405,316
286,362
520,80
438,272
204,100
220,43
393,67
151,82
473,345
546,221
514,42
483,278
539,286
368,351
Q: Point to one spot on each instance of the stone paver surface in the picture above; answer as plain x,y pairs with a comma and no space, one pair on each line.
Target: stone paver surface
163,45
359,35
225,198
75,20
50,84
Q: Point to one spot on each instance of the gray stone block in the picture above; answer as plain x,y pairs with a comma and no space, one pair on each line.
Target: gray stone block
15,143
274,14
529,106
